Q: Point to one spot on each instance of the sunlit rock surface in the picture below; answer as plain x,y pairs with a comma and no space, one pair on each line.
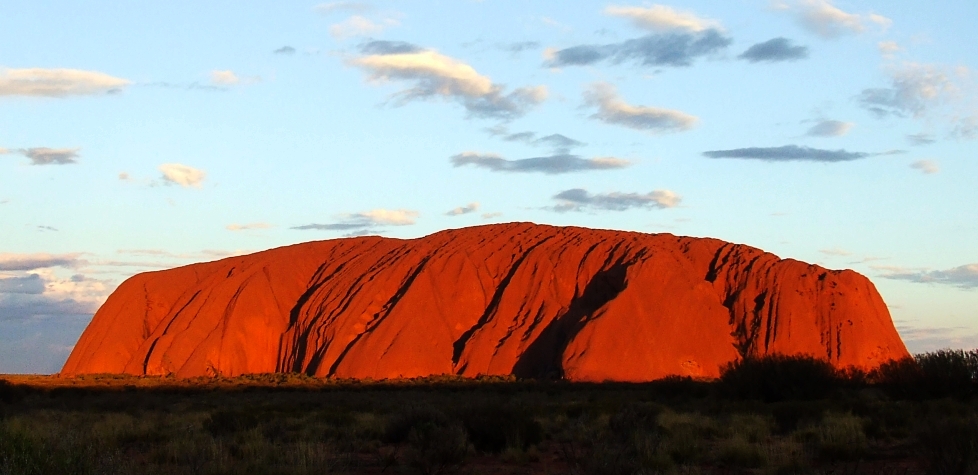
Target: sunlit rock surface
519,298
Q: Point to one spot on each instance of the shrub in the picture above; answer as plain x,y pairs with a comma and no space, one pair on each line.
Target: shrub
949,445
740,453
399,425
227,422
494,427
937,374
778,377
437,448
837,437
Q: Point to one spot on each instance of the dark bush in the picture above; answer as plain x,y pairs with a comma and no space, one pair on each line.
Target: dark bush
9,393
437,448
941,373
399,425
494,427
778,378
227,422
949,445
790,415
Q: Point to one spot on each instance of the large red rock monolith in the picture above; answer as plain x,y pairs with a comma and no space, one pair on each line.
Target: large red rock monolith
510,299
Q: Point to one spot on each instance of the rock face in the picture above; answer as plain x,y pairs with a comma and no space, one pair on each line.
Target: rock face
520,298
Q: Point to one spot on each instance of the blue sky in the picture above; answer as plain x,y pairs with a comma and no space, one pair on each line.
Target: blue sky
137,136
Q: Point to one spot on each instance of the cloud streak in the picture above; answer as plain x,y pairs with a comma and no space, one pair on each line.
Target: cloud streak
965,277
613,110
434,75
46,156
469,208
927,167
829,128
29,262
550,165
366,222
183,175
248,226
40,82
826,20
660,18
358,25
579,199
789,153
676,49
774,50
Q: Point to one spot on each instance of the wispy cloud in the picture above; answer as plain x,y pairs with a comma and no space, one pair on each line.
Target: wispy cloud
579,199
824,19
829,128
914,88
183,175
551,165
435,75
965,277
774,50
927,167
39,82
358,25
836,252
286,50
665,49
334,7
888,48
29,284
224,78
29,262
788,153
469,208
46,156
663,19
921,139
248,226
366,221
613,110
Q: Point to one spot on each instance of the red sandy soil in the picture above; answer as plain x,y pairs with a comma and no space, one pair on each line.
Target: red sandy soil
511,299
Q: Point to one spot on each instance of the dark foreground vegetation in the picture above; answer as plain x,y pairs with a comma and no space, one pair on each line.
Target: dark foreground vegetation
779,415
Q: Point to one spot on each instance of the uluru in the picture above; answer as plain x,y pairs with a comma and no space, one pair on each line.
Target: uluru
522,299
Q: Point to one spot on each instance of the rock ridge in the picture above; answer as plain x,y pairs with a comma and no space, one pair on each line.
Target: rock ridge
509,299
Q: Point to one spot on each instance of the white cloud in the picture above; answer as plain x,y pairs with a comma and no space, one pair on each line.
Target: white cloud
836,252
661,19
830,128
441,74
248,226
828,21
39,82
469,208
437,75
926,166
396,217
366,222
224,78
182,175
331,7
492,215
928,90
578,199
965,277
357,25
613,110
51,156
30,262
888,48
